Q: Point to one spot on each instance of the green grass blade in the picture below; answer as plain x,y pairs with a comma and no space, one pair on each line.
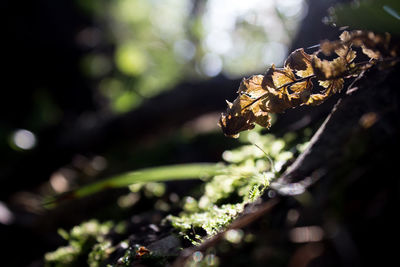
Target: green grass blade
155,174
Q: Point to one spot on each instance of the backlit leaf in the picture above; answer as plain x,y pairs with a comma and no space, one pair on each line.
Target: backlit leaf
325,69
332,86
245,111
291,86
276,77
300,62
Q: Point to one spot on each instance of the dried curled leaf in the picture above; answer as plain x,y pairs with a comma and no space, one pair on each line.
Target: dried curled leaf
291,86
260,95
332,86
373,45
300,61
326,70
276,78
244,112
316,99
340,66
284,90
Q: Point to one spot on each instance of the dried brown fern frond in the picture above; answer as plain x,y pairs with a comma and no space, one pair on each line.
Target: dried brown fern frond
291,86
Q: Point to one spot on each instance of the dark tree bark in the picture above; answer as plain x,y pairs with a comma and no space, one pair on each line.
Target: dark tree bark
345,183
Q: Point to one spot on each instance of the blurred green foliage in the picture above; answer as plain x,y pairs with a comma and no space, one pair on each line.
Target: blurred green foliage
156,44
131,50
373,15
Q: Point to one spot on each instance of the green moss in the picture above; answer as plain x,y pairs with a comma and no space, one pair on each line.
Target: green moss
131,256
211,220
99,253
127,258
64,256
85,239
248,173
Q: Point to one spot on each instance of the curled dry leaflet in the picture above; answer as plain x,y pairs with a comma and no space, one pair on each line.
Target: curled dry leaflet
292,85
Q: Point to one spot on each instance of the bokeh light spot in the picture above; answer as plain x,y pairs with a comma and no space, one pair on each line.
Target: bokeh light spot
6,216
24,139
211,65
131,60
